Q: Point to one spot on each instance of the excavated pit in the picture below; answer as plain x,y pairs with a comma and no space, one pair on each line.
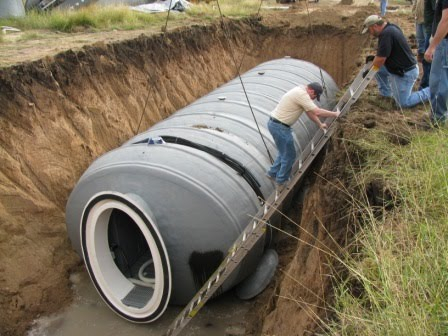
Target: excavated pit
60,113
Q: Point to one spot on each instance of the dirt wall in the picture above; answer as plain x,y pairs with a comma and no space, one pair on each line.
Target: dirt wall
301,303
59,113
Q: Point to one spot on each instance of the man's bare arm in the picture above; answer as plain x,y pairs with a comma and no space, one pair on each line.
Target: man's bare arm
319,112
442,30
378,62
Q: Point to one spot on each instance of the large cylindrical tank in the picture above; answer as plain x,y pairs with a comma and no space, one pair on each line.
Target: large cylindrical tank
155,217
11,8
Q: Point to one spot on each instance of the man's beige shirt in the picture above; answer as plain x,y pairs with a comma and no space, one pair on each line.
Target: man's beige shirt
292,105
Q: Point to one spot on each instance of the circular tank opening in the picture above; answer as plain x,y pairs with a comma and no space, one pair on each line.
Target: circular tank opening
125,257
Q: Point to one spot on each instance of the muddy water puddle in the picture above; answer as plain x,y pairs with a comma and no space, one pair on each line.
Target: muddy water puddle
88,315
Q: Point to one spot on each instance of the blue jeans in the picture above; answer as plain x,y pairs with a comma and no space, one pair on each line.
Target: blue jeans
383,7
438,83
281,168
426,66
420,34
400,87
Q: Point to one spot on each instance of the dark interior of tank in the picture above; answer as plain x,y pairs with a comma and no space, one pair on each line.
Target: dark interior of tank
131,255
127,243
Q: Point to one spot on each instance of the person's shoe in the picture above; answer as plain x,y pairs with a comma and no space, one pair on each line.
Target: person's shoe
279,187
272,178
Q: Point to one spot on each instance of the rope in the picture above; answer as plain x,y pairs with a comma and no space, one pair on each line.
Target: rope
241,80
314,38
150,76
258,17
237,67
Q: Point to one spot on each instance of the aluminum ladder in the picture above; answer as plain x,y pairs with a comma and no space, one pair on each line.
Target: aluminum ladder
257,226
48,4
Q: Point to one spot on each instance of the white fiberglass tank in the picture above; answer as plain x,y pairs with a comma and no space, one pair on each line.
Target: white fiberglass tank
155,217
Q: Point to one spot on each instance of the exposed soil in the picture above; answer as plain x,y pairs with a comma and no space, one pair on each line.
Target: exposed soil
61,111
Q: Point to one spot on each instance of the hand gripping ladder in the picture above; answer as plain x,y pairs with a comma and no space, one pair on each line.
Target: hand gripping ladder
257,226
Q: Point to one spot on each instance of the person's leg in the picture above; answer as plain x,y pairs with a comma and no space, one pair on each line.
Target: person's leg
382,77
402,89
426,66
438,83
275,132
288,155
420,39
383,7
272,172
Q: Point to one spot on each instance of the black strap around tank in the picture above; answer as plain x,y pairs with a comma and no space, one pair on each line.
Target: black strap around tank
232,163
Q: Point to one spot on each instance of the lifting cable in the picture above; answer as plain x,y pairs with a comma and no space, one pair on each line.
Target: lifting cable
239,75
151,78
314,39
258,18
237,67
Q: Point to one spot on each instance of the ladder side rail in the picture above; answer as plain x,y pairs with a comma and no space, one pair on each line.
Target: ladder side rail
345,106
321,137
300,170
364,84
358,79
257,226
355,85
304,154
352,87
309,150
248,238
236,251
47,5
235,254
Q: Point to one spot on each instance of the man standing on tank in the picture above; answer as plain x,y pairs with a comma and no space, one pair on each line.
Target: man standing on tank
396,65
287,112
437,53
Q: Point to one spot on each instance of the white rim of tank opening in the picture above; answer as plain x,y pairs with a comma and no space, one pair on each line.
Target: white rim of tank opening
109,281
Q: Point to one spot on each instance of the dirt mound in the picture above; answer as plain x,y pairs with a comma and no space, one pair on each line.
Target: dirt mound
61,112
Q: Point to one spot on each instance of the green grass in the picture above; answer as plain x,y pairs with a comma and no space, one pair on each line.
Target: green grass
229,8
398,275
123,18
92,17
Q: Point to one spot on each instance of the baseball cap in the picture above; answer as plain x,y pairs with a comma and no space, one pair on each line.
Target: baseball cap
370,21
317,89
